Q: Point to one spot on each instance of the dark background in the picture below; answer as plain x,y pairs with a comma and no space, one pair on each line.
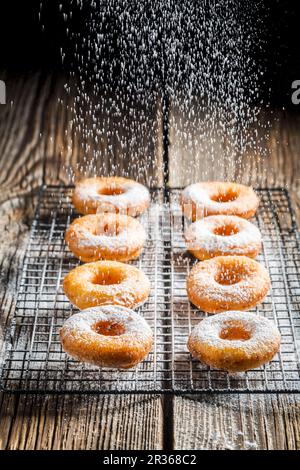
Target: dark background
26,46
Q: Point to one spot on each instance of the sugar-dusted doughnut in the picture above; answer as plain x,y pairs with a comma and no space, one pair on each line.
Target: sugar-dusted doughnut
227,283
107,336
225,235
234,341
213,198
110,194
106,236
106,282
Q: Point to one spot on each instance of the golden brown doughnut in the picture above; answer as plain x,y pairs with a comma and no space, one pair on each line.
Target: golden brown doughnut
106,236
107,336
110,194
227,283
218,198
106,282
234,341
223,235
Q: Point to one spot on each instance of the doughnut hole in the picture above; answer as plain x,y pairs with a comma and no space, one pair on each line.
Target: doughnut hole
226,230
109,328
235,331
225,196
111,191
108,278
228,277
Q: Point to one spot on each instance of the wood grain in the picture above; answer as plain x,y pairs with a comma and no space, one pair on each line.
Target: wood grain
35,147
21,135
237,422
81,422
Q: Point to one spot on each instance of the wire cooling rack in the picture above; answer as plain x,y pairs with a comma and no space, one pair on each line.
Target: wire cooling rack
34,361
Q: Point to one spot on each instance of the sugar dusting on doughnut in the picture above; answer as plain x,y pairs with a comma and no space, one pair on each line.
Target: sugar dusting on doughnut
234,341
258,327
113,242
204,238
106,236
106,282
110,194
109,336
212,198
131,196
83,320
227,283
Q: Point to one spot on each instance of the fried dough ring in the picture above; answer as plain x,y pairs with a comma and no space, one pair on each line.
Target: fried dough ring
218,198
234,341
106,282
227,283
107,336
110,194
106,236
223,235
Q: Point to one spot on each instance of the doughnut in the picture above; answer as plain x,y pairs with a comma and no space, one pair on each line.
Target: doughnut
234,341
106,236
106,282
227,283
110,194
217,198
225,235
107,336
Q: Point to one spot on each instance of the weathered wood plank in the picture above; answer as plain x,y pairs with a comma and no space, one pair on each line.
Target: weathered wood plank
238,422
22,142
81,422
33,140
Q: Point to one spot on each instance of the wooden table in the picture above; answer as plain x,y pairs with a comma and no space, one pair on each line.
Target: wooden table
38,144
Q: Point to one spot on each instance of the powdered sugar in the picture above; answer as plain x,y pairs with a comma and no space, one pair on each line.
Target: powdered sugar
244,283
132,322
132,194
106,282
197,194
208,198
107,336
261,331
130,236
207,287
201,235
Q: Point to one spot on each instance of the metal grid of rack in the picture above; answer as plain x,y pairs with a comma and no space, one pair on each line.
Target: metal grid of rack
34,361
